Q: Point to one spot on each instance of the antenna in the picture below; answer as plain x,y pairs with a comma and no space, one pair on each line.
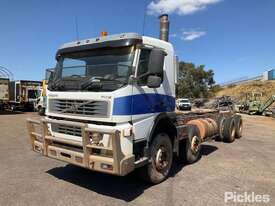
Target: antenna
76,28
144,17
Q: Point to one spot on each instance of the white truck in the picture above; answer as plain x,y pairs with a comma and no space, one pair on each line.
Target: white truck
183,104
40,104
111,108
23,94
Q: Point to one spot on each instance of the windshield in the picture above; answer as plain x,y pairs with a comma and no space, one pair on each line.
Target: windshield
33,93
184,101
102,69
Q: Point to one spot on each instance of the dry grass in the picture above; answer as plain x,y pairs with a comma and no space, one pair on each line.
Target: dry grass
238,91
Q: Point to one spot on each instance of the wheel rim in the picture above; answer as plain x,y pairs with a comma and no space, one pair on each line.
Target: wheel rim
161,158
195,144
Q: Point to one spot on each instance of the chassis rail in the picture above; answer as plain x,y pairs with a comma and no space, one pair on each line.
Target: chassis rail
45,143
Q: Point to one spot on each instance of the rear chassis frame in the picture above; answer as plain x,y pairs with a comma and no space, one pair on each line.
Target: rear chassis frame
45,144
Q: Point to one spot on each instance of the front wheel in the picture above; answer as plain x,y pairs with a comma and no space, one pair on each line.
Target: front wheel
160,162
41,111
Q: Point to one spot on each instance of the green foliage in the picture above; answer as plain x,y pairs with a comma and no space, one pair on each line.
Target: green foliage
195,82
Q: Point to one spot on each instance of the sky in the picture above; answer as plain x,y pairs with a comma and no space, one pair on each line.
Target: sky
235,38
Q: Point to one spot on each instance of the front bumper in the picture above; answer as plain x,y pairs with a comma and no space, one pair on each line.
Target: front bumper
87,155
184,107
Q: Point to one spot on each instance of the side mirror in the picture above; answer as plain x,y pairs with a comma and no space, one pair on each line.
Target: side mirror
49,74
153,81
156,62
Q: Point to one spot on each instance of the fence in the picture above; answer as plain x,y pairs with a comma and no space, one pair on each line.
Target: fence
241,80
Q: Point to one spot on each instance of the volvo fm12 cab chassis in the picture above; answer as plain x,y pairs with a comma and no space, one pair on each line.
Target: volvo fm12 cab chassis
111,108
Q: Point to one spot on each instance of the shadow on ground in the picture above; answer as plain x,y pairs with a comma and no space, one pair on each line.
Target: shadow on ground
10,112
208,149
125,188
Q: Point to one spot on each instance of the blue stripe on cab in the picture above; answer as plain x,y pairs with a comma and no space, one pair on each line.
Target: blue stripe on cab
143,104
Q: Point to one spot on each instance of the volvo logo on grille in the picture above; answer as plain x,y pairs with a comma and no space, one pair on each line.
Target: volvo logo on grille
73,108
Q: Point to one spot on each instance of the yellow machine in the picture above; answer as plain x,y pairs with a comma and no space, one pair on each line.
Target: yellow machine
42,100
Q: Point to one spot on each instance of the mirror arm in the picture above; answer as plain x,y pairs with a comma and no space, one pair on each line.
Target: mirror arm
143,75
132,79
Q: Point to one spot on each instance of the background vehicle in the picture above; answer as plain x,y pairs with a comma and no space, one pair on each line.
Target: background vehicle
111,108
40,105
273,112
4,93
183,104
23,94
42,99
253,103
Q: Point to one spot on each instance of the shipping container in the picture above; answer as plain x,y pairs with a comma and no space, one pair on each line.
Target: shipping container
271,74
4,89
4,92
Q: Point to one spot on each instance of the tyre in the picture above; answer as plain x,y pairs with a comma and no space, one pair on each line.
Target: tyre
190,149
41,111
12,108
220,128
239,126
229,129
161,157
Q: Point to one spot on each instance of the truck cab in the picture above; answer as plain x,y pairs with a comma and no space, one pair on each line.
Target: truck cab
112,75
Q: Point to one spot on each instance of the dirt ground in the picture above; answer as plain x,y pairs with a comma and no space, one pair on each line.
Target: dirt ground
247,165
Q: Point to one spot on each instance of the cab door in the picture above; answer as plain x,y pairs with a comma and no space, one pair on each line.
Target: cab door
148,101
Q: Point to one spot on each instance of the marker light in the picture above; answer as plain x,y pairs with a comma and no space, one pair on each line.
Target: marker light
104,33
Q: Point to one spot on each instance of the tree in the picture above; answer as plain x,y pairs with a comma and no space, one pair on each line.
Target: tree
194,82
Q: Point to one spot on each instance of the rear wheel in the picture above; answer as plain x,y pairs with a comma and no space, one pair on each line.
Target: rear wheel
239,126
160,163
221,128
190,149
229,129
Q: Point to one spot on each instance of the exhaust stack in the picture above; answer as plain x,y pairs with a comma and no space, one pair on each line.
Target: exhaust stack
164,27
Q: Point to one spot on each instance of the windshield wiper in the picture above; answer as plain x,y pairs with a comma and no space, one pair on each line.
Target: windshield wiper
97,81
91,82
109,80
73,76
57,84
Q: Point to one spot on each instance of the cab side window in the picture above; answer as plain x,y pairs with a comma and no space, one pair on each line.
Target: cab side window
143,66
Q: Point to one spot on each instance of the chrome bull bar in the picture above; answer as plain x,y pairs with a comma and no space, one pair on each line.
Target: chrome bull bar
45,143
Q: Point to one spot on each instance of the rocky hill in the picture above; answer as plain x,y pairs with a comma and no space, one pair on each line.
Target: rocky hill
238,91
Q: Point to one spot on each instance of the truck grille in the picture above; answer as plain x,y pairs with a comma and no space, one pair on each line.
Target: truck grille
64,129
79,107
